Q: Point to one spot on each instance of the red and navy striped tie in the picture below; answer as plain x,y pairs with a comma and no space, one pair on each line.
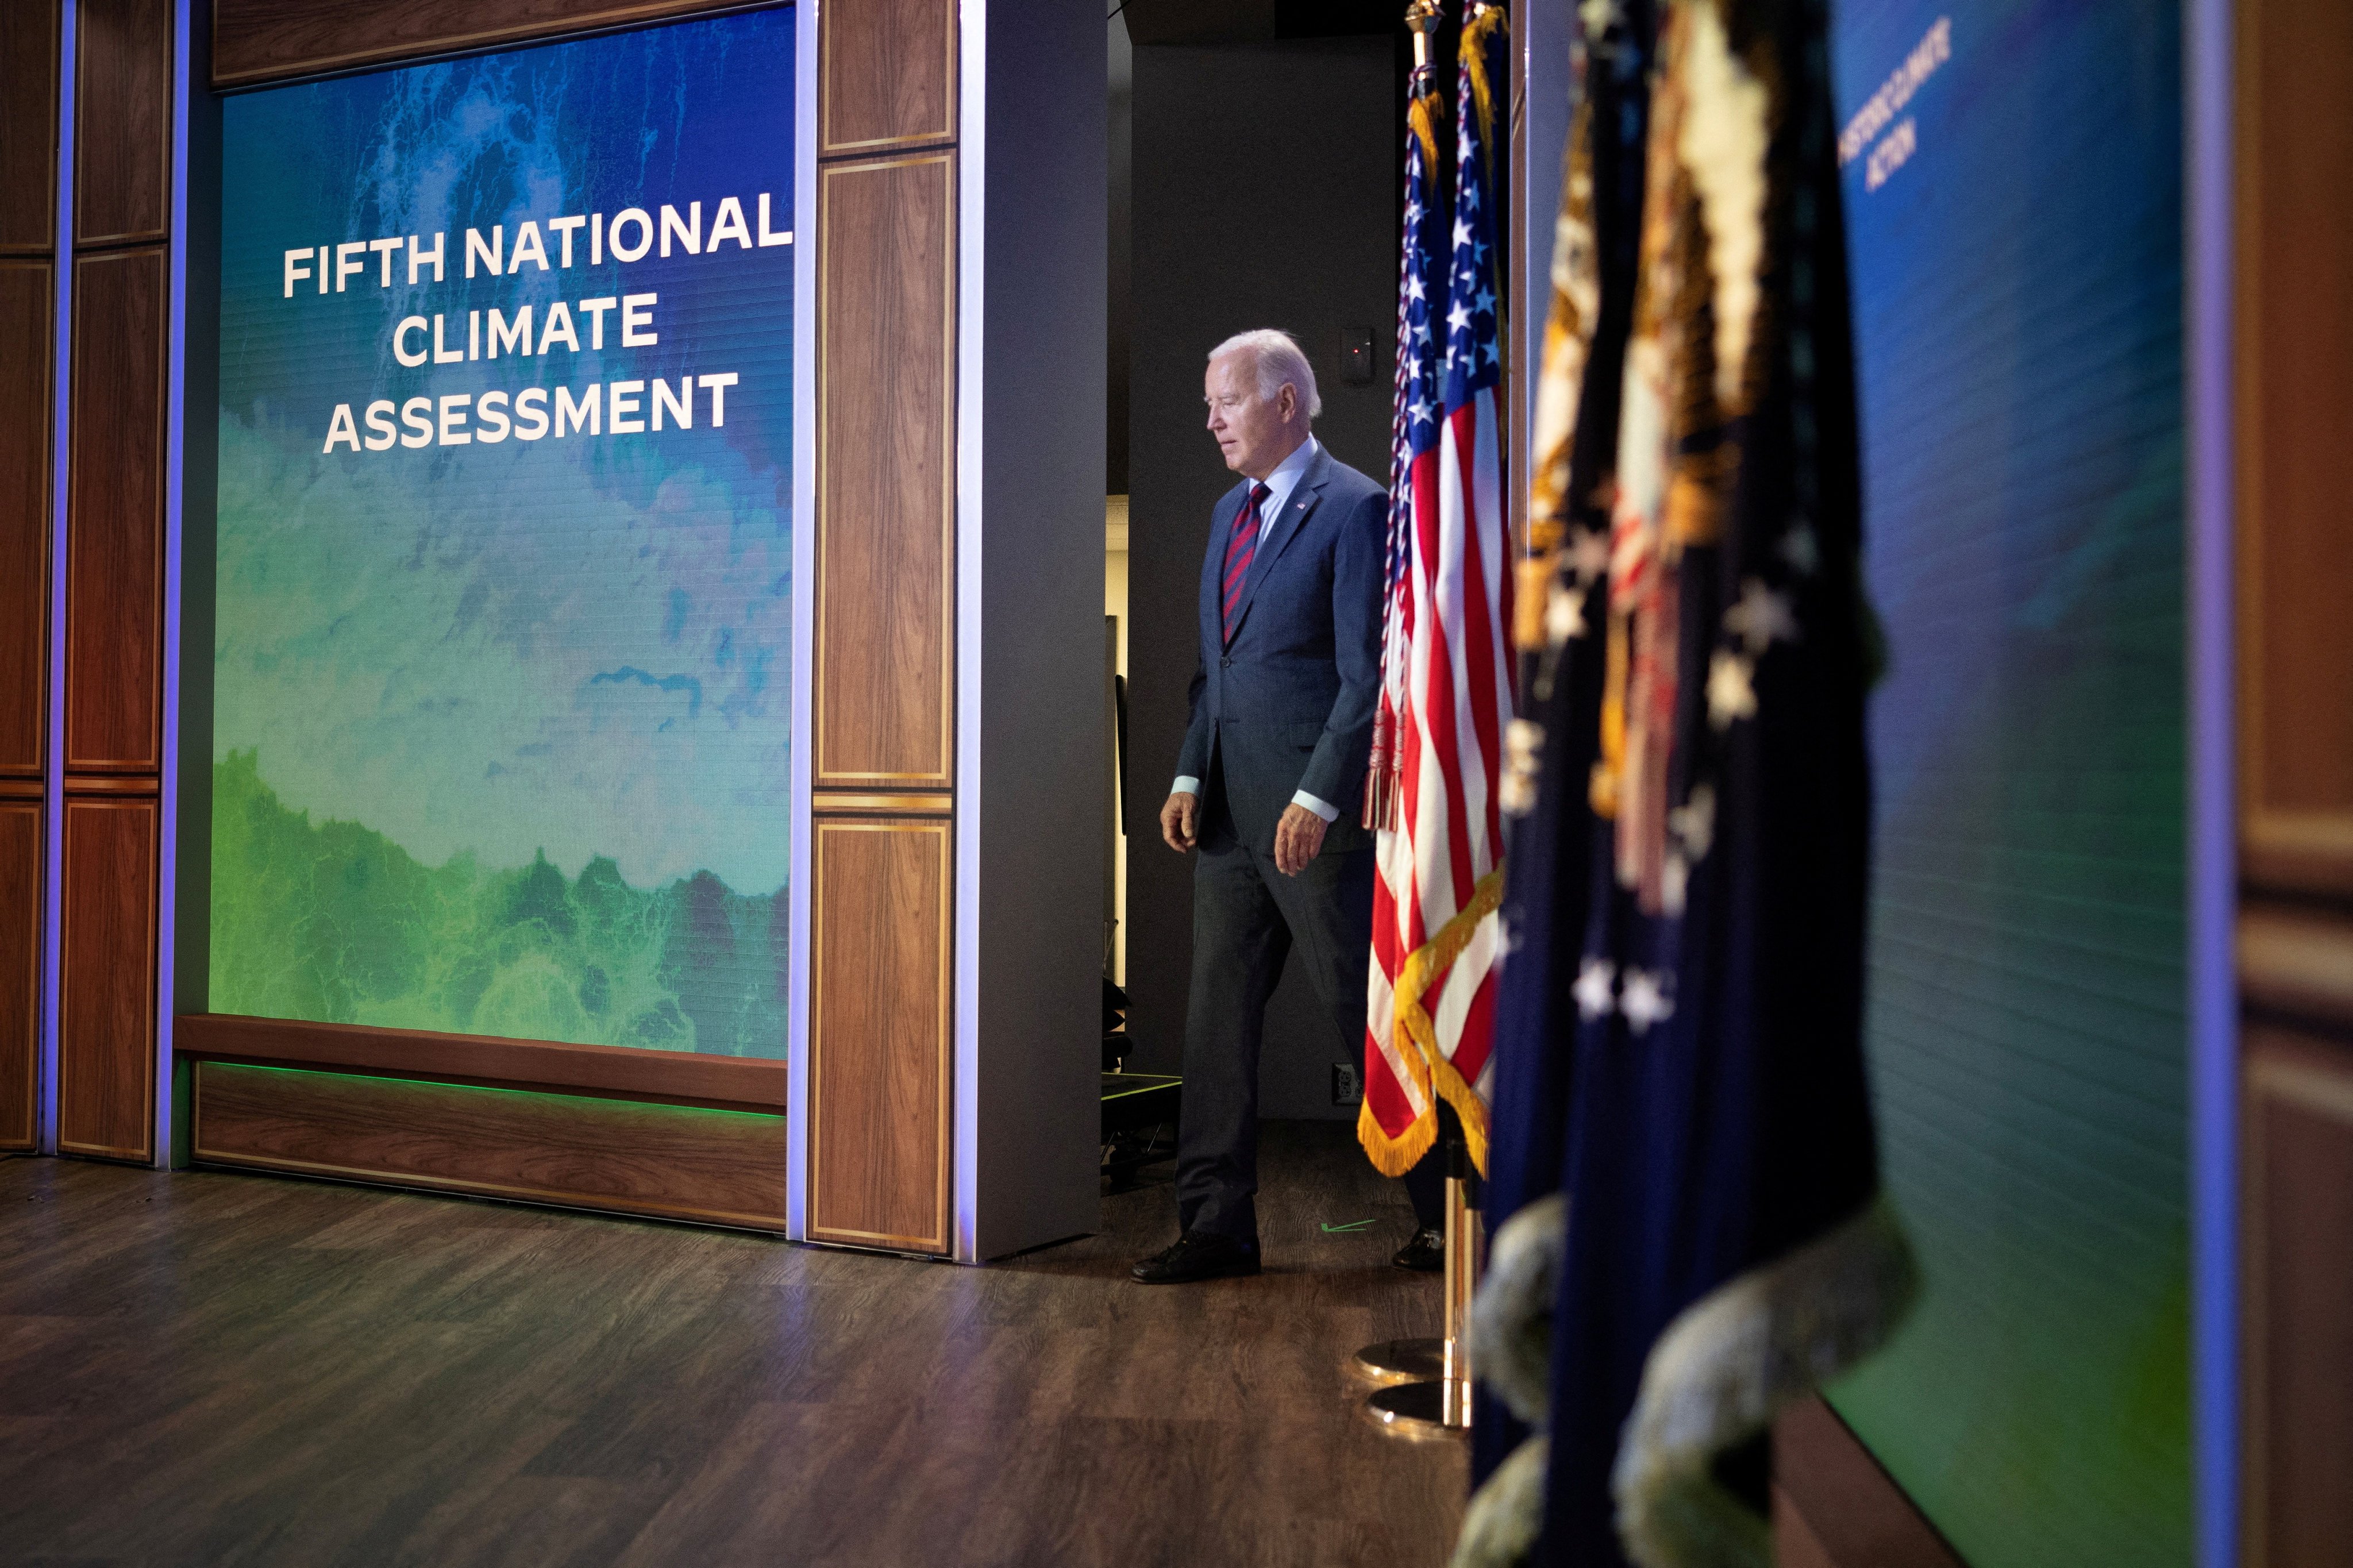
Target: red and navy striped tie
1240,549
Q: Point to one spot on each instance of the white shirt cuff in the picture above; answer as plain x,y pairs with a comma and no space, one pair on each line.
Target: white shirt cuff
1187,784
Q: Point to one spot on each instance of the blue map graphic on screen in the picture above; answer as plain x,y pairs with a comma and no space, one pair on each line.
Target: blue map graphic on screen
505,602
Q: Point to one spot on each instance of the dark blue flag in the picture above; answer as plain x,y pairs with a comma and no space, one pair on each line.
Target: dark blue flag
1680,1050
1599,229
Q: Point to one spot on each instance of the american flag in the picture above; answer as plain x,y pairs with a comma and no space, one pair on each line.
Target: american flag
1395,1125
1447,666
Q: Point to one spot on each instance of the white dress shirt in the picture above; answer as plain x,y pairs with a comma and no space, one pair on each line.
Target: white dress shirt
1280,484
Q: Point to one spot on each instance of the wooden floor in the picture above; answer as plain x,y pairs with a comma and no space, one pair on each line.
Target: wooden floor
219,1369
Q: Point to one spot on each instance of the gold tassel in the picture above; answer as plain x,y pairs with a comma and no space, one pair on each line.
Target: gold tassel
1602,793
1535,574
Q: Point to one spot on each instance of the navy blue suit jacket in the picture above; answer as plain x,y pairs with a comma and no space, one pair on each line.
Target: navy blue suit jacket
1289,704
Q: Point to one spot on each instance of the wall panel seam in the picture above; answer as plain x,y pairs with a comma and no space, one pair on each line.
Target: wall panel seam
147,238
884,153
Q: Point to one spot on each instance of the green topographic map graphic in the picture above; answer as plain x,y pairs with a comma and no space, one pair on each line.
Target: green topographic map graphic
333,922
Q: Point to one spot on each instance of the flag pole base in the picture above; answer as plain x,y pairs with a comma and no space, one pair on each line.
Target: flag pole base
1438,1403
1400,1360
1419,1412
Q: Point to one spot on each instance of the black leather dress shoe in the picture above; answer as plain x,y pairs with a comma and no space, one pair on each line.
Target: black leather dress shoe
1198,1254
1424,1252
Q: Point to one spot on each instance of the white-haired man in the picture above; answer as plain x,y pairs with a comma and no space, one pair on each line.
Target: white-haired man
1270,776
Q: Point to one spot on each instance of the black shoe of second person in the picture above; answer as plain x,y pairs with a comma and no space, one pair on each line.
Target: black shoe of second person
1198,1254
1424,1252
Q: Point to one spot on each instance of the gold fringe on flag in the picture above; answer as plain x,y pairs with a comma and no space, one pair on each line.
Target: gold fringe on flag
1395,1156
1417,1032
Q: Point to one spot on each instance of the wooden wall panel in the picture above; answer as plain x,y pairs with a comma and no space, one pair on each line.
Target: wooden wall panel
21,849
2292,392
114,530
30,37
883,674
889,77
1835,1507
122,120
27,290
28,124
2294,343
2298,1305
879,1034
262,40
106,1011
677,1161
885,481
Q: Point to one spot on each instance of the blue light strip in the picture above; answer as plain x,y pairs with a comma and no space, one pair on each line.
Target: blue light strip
53,816
176,426
972,211
804,339
2213,869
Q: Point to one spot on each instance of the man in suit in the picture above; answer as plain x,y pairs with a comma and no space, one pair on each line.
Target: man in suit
1271,775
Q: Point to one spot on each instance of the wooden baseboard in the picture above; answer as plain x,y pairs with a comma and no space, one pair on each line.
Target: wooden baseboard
671,1077
1835,1507
668,1162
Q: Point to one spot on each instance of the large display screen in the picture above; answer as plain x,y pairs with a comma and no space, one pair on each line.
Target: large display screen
503,677
2013,197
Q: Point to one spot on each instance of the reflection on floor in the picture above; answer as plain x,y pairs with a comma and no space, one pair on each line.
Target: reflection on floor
230,1369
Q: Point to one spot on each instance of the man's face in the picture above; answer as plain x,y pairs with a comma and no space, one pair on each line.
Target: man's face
1253,432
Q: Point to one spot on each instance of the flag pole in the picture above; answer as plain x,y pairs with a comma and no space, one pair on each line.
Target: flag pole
1434,1399
1463,1238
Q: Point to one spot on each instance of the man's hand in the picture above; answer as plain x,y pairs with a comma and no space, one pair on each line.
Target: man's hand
1297,837
1177,818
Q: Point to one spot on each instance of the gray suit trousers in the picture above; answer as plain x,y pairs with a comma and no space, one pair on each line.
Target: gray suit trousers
1249,919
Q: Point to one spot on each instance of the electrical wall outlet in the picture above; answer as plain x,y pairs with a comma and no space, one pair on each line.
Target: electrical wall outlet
1347,1084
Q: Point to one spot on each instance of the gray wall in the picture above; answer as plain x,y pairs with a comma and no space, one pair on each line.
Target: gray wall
1543,28
1264,195
1041,546
1120,67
